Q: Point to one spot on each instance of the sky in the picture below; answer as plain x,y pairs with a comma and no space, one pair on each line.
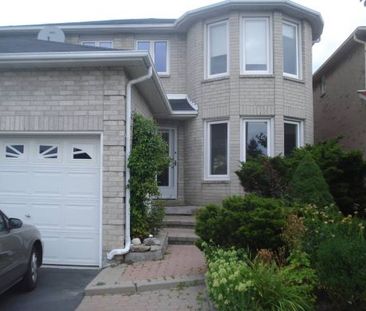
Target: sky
341,17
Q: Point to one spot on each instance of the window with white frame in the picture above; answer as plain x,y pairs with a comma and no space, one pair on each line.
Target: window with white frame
293,135
291,49
217,150
256,138
158,50
256,45
217,49
100,44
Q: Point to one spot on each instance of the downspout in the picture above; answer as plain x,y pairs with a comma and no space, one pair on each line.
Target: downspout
126,249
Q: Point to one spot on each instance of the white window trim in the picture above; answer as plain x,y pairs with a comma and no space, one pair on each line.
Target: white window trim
96,42
207,51
270,135
152,53
300,130
298,50
269,46
207,151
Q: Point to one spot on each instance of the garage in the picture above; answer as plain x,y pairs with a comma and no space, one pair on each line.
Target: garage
53,182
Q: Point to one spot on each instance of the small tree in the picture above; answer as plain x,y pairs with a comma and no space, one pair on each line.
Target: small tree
308,184
149,157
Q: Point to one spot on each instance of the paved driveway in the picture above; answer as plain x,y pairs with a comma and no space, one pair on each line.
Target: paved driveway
57,290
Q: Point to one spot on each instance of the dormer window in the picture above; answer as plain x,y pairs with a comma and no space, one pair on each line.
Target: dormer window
217,49
159,52
256,46
99,44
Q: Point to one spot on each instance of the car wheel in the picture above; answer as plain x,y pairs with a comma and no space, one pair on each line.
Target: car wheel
31,276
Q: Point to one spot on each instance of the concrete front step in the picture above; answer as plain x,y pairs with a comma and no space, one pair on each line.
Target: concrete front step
179,221
177,236
181,210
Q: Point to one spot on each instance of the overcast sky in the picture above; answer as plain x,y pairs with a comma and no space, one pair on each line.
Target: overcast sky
341,16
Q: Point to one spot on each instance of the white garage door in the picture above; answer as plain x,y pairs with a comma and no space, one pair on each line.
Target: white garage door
53,182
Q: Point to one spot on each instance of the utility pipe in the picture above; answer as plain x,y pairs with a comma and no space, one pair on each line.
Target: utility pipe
126,249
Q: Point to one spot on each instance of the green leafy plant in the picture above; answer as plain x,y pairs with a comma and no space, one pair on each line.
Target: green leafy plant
308,184
341,269
243,221
264,176
237,283
149,157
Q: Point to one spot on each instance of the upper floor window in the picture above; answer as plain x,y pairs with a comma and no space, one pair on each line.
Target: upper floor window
159,52
100,44
217,49
291,50
323,86
256,48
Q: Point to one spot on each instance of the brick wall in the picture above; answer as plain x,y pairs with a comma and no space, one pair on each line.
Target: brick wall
340,112
74,100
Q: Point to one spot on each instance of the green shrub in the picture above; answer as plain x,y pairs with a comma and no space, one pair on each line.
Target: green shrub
149,157
264,176
155,217
308,184
341,269
237,283
344,171
243,221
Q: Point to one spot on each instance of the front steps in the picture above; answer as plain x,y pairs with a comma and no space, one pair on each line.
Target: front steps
179,222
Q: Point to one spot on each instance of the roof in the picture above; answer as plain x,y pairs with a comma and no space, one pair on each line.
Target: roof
22,45
357,37
182,105
185,21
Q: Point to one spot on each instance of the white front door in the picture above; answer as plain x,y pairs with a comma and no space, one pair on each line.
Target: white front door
167,180
53,182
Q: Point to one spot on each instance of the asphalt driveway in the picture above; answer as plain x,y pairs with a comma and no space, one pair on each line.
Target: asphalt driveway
58,290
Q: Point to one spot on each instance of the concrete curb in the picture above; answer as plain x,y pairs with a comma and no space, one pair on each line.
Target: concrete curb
129,288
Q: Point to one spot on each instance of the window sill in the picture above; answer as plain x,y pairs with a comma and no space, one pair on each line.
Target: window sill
301,81
214,79
216,181
267,75
164,75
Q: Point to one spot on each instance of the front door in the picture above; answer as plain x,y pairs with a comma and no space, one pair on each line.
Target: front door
167,180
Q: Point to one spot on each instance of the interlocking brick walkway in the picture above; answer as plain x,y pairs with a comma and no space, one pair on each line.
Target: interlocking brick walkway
180,261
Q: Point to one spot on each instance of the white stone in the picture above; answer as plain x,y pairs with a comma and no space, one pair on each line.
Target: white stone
136,241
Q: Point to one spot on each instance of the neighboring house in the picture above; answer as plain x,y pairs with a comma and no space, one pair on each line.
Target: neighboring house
230,80
340,96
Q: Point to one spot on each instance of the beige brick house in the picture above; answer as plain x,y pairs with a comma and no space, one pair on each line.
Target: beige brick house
339,94
226,82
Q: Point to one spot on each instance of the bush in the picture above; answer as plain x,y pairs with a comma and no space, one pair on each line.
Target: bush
308,184
243,221
264,176
237,283
149,157
341,269
344,171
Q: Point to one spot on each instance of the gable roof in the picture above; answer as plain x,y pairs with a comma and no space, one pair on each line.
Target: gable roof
24,45
183,23
357,37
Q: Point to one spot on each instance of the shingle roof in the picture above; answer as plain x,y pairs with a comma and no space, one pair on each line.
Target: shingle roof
181,105
17,45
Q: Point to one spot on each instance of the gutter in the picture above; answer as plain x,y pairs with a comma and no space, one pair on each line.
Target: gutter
126,249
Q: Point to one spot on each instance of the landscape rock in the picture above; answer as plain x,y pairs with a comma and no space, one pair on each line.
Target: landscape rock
152,241
136,241
140,248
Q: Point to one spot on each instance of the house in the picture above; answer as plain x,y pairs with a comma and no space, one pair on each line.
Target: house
339,94
224,82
